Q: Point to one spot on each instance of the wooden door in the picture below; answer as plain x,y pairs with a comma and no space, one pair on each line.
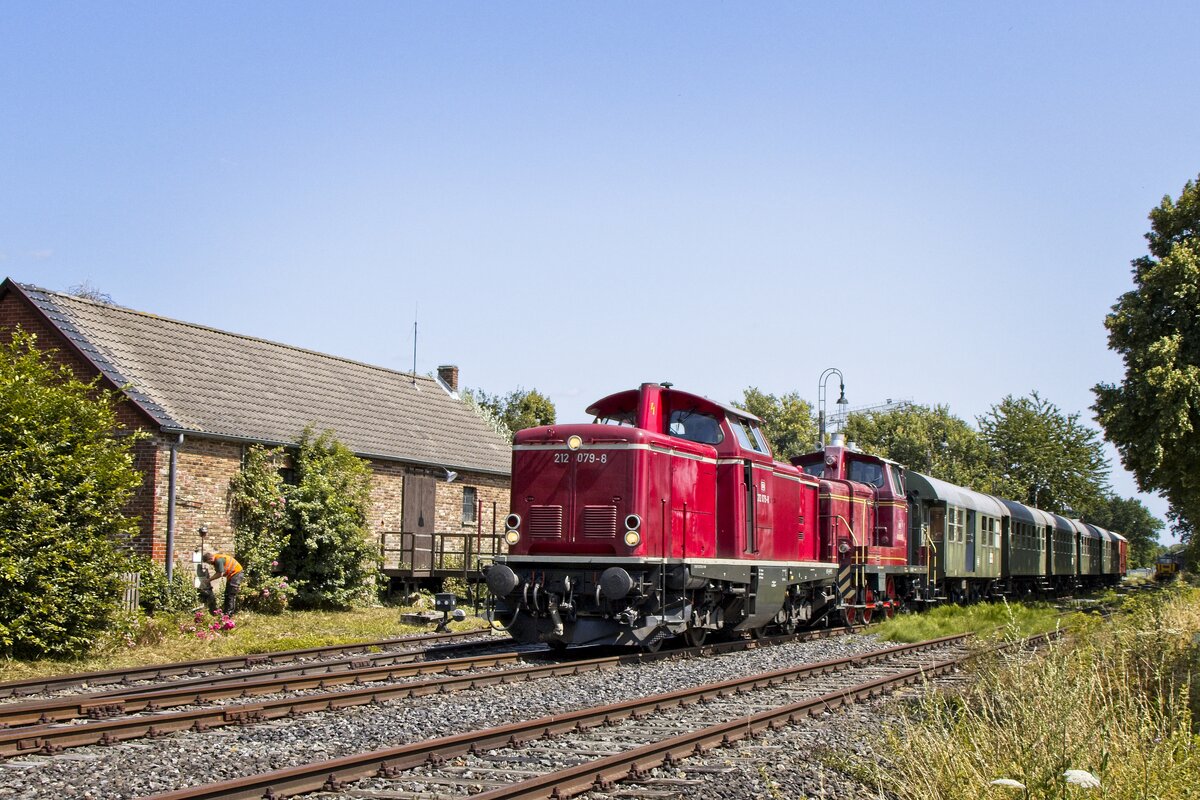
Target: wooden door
417,521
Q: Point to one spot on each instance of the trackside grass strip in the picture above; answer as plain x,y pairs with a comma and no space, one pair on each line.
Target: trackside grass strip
1106,713
981,618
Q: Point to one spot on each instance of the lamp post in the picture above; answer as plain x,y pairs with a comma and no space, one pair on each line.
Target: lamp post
841,401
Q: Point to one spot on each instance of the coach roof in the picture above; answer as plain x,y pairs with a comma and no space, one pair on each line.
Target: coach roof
196,380
926,488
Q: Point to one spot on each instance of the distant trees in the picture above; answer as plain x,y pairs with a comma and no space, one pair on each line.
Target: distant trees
517,410
788,420
1048,459
1153,414
929,440
1130,518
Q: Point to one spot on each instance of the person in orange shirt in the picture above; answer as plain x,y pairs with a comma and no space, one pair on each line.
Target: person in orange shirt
227,567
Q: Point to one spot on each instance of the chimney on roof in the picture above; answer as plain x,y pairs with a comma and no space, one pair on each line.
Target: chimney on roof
449,375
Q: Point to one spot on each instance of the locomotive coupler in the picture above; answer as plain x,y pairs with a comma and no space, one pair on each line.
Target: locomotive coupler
555,618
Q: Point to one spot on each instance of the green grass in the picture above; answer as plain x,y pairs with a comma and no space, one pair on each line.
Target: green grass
1114,698
981,618
162,640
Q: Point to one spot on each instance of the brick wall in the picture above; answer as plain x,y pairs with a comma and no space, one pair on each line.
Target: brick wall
204,469
488,488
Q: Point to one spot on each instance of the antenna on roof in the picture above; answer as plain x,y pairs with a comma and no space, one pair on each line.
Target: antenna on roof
414,372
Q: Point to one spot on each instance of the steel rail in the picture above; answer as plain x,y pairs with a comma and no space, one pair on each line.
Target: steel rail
388,762
632,764
51,738
62,709
158,671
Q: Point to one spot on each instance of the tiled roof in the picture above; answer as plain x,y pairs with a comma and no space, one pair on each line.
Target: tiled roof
190,378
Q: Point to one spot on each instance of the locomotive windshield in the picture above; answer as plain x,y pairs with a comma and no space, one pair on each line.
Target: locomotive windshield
866,472
695,426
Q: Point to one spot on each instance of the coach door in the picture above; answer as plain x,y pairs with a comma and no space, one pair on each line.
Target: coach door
416,526
969,566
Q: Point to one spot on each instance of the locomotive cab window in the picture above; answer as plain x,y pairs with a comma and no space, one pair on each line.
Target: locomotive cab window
695,426
741,432
627,419
816,469
866,472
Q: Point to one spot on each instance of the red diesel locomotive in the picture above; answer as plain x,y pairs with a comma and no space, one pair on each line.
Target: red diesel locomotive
668,516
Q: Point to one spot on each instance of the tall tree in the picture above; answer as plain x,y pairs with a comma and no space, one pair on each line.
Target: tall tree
931,441
517,410
65,477
1052,461
788,420
1153,415
1131,519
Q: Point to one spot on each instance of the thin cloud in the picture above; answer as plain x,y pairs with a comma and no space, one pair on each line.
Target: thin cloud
41,255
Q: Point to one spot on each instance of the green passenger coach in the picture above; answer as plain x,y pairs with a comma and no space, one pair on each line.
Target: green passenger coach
962,530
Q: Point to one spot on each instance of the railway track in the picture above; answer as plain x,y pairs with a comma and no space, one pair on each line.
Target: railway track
159,672
49,726
569,753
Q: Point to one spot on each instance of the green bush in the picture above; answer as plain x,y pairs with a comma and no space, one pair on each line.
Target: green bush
64,478
269,595
328,554
157,594
259,502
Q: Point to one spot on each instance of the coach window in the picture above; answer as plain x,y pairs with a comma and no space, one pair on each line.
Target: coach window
470,506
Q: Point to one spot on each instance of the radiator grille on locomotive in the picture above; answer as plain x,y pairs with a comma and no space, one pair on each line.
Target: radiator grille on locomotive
545,521
600,522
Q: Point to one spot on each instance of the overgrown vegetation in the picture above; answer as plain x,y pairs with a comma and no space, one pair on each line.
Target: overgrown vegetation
65,477
1113,700
259,505
314,531
981,618
156,594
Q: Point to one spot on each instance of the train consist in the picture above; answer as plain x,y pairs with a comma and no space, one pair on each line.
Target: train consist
668,516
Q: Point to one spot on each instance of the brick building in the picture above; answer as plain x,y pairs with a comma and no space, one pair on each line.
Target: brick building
440,473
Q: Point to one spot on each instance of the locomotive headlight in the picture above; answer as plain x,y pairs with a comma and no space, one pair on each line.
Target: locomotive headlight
844,546
632,538
512,521
511,537
633,522
574,442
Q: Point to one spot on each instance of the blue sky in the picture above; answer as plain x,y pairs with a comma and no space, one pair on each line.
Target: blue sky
941,200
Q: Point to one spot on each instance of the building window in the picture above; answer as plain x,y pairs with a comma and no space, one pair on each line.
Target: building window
470,505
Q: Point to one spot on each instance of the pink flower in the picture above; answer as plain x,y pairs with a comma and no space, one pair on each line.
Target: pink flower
274,563
266,592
